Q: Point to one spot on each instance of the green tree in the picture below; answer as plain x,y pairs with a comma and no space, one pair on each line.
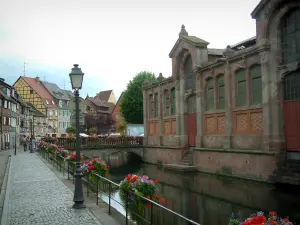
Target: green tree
71,130
131,106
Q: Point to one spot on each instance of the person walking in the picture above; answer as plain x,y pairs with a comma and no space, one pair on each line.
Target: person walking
24,142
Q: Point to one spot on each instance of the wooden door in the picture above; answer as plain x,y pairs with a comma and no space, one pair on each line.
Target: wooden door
292,111
192,121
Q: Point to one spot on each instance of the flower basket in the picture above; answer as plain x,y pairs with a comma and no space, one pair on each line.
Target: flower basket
62,152
259,219
42,146
142,186
71,156
95,165
52,148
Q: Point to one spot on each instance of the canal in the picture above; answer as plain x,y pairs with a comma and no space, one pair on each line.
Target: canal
206,199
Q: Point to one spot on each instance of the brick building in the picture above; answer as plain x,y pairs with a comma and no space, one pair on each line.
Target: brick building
237,107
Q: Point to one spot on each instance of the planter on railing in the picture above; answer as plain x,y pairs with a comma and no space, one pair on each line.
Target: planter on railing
135,190
259,219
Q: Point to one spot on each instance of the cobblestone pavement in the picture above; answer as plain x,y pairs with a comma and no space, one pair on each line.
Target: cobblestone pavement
38,197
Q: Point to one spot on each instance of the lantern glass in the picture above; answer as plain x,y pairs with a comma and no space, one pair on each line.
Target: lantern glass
76,77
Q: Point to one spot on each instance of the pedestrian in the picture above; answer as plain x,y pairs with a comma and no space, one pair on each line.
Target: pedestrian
24,142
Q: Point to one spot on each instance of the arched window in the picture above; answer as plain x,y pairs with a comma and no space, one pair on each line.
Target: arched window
210,94
192,104
221,92
156,105
189,74
167,103
290,36
292,86
173,101
151,108
241,86
256,85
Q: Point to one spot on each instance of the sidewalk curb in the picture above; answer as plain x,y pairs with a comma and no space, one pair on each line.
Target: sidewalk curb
5,191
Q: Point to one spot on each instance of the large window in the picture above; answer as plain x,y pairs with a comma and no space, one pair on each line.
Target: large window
189,74
292,86
290,36
210,94
167,103
221,92
173,101
156,105
241,88
151,108
256,85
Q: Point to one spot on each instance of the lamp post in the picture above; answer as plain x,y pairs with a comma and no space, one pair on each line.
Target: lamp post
76,77
32,134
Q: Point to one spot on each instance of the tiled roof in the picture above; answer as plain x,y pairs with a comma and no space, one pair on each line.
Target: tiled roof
97,102
57,92
104,95
36,85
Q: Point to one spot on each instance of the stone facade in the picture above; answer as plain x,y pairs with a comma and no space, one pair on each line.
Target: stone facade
230,99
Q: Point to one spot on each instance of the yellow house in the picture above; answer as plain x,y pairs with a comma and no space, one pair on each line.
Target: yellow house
34,92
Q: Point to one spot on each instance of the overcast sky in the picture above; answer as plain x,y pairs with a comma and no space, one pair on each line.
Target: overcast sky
111,40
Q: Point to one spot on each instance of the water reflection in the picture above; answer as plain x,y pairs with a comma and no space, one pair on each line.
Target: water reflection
203,198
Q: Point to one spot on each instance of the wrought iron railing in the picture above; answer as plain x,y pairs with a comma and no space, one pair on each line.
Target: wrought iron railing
95,184
96,143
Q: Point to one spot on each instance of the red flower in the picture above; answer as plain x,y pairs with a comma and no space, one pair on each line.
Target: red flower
128,177
135,177
148,196
262,219
156,181
272,214
162,200
247,222
148,205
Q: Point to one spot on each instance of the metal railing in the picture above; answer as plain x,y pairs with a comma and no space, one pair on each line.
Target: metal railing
98,185
100,142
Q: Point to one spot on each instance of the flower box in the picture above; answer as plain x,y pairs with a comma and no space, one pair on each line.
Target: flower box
260,219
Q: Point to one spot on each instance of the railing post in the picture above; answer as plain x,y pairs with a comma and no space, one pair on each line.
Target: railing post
97,190
109,196
73,169
87,185
126,206
68,170
64,164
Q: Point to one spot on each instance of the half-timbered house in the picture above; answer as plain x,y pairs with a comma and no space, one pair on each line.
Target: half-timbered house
33,91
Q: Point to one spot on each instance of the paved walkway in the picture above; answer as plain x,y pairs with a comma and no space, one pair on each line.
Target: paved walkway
36,196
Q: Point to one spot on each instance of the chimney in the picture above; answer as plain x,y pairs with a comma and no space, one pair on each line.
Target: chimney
37,79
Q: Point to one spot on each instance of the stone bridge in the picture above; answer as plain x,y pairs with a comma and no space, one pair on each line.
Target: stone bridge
108,151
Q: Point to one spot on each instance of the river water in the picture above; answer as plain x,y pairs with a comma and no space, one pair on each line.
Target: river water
207,199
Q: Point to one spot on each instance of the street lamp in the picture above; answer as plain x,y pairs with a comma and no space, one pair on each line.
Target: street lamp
76,77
